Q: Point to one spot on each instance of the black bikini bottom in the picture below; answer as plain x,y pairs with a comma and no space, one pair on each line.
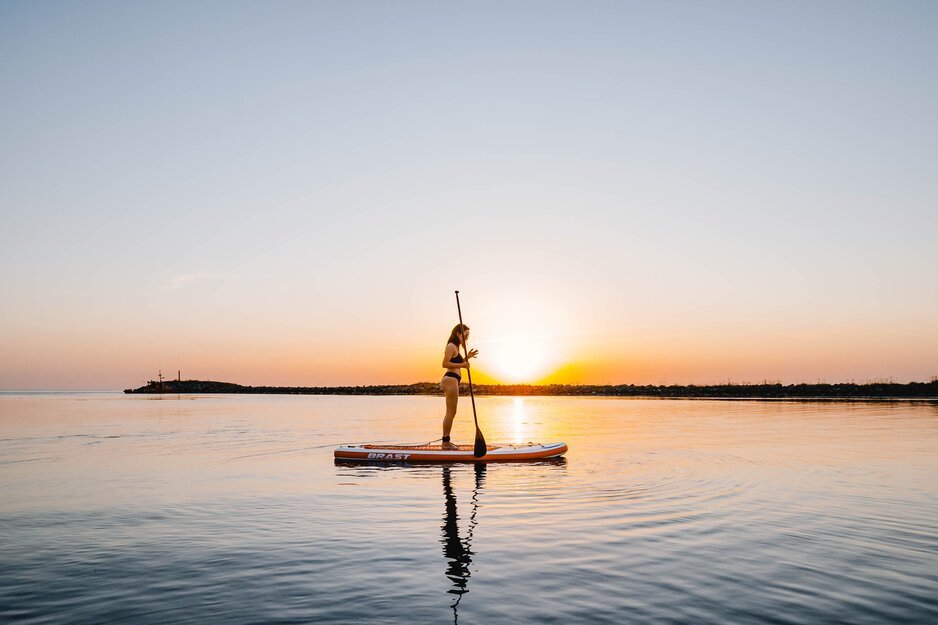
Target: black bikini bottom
450,374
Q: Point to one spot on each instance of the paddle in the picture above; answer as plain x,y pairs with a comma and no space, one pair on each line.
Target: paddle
480,448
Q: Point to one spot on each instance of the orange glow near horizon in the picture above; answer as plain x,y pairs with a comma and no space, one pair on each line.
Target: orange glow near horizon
528,340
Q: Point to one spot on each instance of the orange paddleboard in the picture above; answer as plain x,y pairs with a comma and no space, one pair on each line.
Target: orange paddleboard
436,453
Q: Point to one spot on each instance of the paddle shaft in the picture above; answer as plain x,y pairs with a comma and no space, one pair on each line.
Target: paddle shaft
468,369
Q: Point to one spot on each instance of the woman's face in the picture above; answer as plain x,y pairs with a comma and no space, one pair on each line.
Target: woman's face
465,335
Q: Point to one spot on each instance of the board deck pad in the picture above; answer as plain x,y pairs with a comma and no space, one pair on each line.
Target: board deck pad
436,453
429,447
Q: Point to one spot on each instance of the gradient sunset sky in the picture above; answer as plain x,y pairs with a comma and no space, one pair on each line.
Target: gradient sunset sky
290,192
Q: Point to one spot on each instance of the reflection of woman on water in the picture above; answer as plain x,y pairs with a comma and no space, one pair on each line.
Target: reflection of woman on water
458,552
452,362
458,555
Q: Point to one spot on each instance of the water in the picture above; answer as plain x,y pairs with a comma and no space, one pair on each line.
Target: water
227,509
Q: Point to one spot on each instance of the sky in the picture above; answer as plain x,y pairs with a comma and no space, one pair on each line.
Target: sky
623,192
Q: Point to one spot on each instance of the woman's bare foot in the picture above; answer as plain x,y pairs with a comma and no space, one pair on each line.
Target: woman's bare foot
448,446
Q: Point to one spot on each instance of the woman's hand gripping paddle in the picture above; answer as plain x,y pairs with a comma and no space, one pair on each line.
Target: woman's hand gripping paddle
480,447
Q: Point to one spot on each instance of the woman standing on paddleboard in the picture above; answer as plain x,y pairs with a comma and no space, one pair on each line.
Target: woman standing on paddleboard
453,362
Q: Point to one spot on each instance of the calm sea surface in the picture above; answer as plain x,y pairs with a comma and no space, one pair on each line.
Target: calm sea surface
227,509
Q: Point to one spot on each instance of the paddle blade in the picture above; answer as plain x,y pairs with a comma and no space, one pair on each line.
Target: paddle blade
480,448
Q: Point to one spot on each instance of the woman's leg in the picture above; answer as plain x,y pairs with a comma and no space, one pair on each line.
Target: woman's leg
451,392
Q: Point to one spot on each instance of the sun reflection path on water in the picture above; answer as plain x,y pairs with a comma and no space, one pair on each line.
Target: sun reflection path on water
518,420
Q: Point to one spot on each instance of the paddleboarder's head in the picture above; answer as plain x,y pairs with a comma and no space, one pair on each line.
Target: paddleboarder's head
459,335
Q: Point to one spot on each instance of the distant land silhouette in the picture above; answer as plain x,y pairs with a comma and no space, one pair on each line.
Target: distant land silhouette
873,390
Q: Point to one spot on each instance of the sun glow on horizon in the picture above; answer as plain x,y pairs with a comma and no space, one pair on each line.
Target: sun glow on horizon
519,359
523,338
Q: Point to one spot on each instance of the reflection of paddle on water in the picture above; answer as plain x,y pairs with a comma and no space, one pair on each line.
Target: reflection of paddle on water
457,551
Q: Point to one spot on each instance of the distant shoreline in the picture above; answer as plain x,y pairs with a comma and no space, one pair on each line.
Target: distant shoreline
885,390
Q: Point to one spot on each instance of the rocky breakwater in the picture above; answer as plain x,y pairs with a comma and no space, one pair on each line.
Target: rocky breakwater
209,387
845,391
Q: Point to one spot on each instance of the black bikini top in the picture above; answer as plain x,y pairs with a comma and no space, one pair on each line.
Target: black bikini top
457,358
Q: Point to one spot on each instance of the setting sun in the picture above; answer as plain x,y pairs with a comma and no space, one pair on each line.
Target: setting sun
519,358
521,339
